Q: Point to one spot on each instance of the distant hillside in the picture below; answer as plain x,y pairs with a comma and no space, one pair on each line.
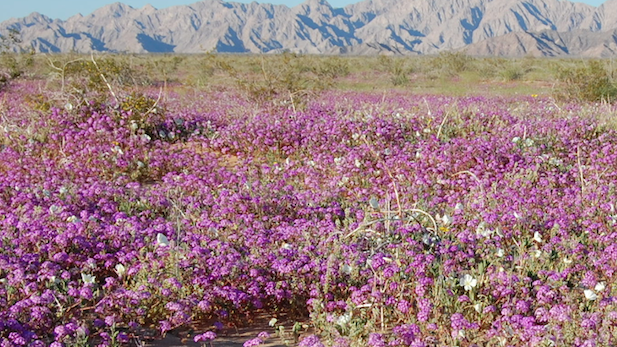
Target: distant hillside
481,27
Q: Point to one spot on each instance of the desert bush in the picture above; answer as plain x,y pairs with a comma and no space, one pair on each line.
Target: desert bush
285,80
398,69
591,81
140,110
164,68
12,64
332,67
452,63
512,73
77,81
201,71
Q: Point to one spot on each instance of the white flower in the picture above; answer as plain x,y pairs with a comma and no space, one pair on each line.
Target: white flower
567,261
483,231
357,163
537,253
478,307
272,322
374,203
73,219
516,139
537,237
62,190
599,286
446,220
500,253
590,294
347,269
162,240
529,142
120,270
468,282
55,209
458,206
117,149
88,279
344,319
286,246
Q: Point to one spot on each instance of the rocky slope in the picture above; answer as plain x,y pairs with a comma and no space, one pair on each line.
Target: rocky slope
481,27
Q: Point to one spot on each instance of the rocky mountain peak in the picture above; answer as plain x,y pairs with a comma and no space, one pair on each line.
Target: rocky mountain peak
315,27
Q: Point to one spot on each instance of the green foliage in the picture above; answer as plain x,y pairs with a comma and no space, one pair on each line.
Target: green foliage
332,68
140,110
201,71
164,68
397,69
12,65
590,82
99,75
452,63
76,81
284,80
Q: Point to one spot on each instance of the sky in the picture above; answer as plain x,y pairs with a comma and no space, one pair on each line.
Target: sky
64,9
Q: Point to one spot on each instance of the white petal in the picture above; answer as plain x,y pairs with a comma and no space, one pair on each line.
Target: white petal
120,270
447,220
88,278
162,240
590,294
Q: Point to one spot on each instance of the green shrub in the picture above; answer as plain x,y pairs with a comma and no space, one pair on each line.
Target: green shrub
12,64
332,68
452,63
164,68
397,69
512,73
286,80
76,81
591,81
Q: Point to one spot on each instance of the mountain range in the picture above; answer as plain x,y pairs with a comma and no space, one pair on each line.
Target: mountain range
408,27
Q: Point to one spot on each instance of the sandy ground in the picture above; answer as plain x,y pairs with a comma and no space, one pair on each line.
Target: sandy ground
232,339
229,337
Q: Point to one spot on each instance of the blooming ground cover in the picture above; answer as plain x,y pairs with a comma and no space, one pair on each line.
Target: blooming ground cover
374,220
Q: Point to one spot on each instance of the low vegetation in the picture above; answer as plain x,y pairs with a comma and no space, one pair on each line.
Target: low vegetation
352,201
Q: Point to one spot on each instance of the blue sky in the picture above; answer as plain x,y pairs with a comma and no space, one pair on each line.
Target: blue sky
65,8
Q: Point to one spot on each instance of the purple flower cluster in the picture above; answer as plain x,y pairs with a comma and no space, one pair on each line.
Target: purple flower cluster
367,210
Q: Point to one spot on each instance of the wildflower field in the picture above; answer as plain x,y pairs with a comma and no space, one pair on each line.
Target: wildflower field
359,218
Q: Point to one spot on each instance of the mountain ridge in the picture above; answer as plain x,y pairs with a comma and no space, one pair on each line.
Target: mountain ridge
407,27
